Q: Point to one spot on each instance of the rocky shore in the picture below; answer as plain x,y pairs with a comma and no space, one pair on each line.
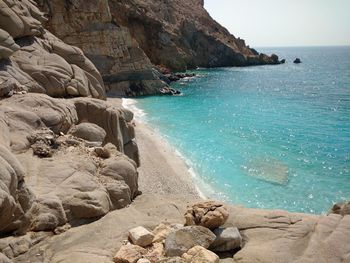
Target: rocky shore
78,174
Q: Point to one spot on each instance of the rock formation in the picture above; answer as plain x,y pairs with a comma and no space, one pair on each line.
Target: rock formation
72,183
181,34
268,236
123,38
68,158
125,68
47,178
36,61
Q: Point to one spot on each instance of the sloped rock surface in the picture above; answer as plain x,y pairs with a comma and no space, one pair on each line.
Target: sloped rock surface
72,184
268,236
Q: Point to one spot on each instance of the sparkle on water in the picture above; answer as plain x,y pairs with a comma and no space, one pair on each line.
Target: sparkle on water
266,136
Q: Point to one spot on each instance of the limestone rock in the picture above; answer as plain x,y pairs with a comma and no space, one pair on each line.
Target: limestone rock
89,131
199,254
140,236
129,254
226,239
179,241
210,214
143,260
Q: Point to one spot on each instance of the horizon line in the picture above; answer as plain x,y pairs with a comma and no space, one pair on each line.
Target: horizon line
299,46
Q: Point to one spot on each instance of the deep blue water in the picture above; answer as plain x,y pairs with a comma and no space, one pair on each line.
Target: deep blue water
266,136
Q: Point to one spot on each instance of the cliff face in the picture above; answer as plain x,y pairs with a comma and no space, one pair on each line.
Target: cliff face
124,37
61,160
34,60
125,68
181,34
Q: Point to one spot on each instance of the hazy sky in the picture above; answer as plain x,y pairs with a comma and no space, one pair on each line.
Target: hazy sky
284,22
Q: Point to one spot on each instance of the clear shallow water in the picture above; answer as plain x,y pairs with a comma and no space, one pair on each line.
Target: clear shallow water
267,136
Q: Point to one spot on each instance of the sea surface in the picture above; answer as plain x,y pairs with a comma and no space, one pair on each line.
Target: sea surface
266,136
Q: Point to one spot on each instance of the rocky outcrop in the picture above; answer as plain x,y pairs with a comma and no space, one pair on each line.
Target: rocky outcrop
181,34
34,60
268,236
125,68
71,184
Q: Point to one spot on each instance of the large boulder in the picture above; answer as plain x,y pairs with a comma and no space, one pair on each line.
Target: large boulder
210,214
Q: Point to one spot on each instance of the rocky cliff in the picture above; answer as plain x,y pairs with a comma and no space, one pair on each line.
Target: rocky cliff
126,38
181,34
125,68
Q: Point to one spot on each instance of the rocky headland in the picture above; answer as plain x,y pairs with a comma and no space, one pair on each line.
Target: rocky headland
70,164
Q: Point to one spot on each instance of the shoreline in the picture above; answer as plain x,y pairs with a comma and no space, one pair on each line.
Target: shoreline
163,169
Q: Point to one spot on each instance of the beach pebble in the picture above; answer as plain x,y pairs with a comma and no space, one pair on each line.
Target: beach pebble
226,239
140,236
210,214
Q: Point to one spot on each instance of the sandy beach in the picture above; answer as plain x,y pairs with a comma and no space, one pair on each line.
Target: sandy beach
162,170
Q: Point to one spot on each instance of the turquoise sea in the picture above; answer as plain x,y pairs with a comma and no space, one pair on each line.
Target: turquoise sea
265,136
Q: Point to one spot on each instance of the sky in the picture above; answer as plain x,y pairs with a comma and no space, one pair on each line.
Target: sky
269,23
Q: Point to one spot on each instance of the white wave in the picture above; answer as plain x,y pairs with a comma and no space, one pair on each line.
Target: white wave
130,104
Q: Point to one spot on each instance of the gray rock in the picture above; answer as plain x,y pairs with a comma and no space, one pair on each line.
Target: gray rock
179,241
226,239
